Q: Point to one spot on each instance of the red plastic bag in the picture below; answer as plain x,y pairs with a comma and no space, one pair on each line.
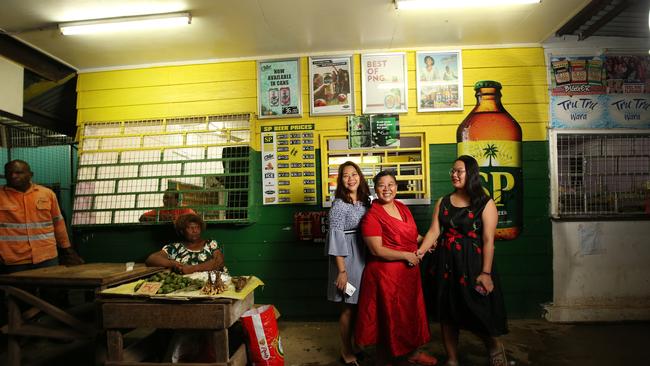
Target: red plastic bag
264,344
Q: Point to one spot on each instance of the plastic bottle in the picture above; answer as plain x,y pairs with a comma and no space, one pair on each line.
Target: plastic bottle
493,137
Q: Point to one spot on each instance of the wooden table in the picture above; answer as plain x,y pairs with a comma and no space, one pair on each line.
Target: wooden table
93,276
214,315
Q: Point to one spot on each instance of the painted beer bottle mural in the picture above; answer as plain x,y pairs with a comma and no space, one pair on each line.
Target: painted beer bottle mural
493,138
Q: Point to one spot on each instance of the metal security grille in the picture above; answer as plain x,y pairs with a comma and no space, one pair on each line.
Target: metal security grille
126,167
23,135
601,174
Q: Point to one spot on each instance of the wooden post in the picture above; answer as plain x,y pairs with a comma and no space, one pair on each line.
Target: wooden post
14,321
220,344
114,345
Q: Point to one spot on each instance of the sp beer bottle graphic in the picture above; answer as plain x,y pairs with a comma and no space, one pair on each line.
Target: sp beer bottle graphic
493,137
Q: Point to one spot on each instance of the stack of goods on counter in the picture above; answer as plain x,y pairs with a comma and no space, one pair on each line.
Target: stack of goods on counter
219,282
204,283
172,282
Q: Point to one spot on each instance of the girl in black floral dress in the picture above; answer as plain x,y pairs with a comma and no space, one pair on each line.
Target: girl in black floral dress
467,289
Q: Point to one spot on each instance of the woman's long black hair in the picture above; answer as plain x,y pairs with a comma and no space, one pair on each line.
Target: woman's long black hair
363,192
473,186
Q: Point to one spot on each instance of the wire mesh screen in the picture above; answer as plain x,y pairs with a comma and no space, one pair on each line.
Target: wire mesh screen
155,170
603,175
51,157
34,136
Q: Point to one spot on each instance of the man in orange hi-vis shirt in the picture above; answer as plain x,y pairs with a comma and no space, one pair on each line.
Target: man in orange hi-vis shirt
31,224
170,211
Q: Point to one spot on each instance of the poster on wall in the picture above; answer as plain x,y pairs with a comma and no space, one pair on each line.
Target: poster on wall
627,74
371,131
600,92
439,78
331,85
384,87
278,89
577,75
288,164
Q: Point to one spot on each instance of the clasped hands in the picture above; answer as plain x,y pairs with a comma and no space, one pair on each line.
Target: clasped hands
416,257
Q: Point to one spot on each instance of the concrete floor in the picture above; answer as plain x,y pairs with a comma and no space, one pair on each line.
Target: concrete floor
530,342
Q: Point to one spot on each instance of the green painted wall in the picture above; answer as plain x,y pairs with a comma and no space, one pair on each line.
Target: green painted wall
295,272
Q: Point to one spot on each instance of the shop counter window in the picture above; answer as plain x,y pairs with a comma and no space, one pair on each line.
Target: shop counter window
408,161
600,174
126,167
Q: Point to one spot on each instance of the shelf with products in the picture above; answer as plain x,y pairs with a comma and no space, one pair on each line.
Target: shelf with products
409,162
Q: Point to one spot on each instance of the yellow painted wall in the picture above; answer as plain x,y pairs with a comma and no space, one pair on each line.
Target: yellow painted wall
229,87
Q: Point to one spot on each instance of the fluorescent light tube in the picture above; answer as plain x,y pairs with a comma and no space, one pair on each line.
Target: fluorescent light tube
431,4
125,23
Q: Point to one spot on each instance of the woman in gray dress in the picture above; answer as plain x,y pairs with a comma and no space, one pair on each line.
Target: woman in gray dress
346,251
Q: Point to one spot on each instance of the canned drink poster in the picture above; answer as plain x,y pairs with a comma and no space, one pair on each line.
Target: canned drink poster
278,83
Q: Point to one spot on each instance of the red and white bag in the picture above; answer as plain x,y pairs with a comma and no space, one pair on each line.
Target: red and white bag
264,344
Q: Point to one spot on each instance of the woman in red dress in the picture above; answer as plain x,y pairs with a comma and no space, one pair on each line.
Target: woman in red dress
391,310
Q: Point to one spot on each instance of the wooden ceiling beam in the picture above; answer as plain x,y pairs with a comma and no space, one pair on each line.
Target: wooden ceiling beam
606,18
33,59
582,17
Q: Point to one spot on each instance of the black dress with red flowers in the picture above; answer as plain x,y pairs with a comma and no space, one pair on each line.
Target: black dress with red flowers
457,262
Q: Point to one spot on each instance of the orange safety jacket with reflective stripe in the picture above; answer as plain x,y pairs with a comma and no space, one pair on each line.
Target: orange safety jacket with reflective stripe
167,214
31,225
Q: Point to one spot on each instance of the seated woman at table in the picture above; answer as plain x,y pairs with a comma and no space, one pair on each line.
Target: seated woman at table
193,254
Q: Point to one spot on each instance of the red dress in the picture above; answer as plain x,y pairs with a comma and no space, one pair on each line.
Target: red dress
391,311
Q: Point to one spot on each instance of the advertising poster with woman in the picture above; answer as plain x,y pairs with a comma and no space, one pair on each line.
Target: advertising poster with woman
439,81
384,87
331,89
278,88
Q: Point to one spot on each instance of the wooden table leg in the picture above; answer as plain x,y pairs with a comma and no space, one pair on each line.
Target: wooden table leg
114,345
220,345
15,320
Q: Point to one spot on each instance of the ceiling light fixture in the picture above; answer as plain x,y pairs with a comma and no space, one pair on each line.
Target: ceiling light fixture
431,4
125,23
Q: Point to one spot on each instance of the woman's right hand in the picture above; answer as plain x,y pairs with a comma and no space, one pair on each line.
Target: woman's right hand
341,281
412,258
176,266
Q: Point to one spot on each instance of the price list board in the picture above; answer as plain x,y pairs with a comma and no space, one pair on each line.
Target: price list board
288,164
